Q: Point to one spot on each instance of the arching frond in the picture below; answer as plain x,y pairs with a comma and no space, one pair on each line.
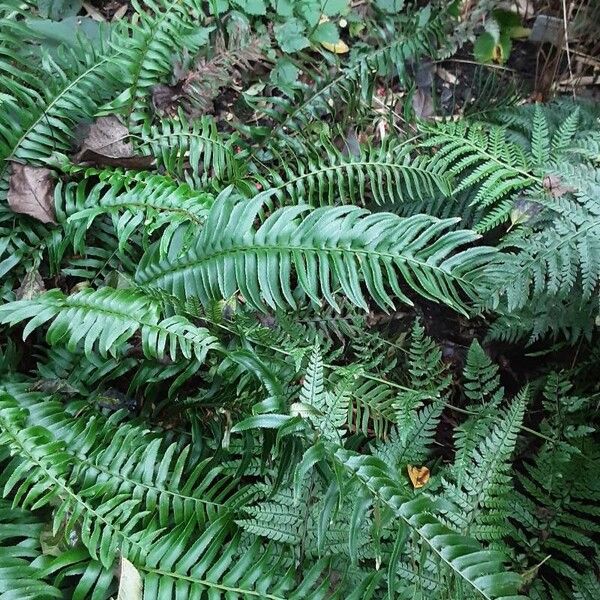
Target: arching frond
329,247
181,145
43,106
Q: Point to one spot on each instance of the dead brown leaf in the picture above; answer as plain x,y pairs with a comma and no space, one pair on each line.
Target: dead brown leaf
31,286
107,136
120,12
106,144
554,186
31,192
422,103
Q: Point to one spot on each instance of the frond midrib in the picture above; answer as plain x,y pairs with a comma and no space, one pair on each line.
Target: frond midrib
211,584
281,248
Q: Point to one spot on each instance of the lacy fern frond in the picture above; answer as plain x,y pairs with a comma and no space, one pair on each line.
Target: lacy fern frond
482,488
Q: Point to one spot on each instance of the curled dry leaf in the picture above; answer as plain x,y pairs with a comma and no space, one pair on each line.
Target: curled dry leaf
106,143
31,192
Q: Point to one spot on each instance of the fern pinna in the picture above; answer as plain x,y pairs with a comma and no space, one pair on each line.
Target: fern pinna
245,298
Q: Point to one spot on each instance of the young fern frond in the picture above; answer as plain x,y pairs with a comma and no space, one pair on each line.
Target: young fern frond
180,146
327,248
144,201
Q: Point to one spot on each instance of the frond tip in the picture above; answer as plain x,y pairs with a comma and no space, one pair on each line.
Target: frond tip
323,250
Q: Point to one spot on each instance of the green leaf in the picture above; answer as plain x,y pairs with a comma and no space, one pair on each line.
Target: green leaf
290,35
390,6
58,9
484,47
285,73
252,7
261,422
334,7
284,8
326,32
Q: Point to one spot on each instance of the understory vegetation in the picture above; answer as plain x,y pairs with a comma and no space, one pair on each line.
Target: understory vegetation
288,314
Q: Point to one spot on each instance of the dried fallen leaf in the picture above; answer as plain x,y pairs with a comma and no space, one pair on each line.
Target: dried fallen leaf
553,185
422,103
130,581
107,136
106,143
446,76
338,48
120,12
31,286
31,192
419,476
93,12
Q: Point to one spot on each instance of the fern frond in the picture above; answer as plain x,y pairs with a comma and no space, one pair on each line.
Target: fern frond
106,319
420,35
482,488
20,533
329,247
484,159
42,108
181,145
482,571
148,54
391,173
40,474
142,203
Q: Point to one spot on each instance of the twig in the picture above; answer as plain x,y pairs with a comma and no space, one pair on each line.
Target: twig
568,50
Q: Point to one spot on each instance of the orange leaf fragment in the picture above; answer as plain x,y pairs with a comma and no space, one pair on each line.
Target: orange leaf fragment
419,476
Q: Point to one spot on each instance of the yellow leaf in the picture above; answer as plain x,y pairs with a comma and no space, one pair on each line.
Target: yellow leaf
419,476
338,48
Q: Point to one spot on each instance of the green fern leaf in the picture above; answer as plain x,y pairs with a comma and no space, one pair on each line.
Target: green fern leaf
329,247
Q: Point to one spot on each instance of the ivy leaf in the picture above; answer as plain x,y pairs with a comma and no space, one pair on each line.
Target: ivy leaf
310,10
290,36
252,7
285,76
31,192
